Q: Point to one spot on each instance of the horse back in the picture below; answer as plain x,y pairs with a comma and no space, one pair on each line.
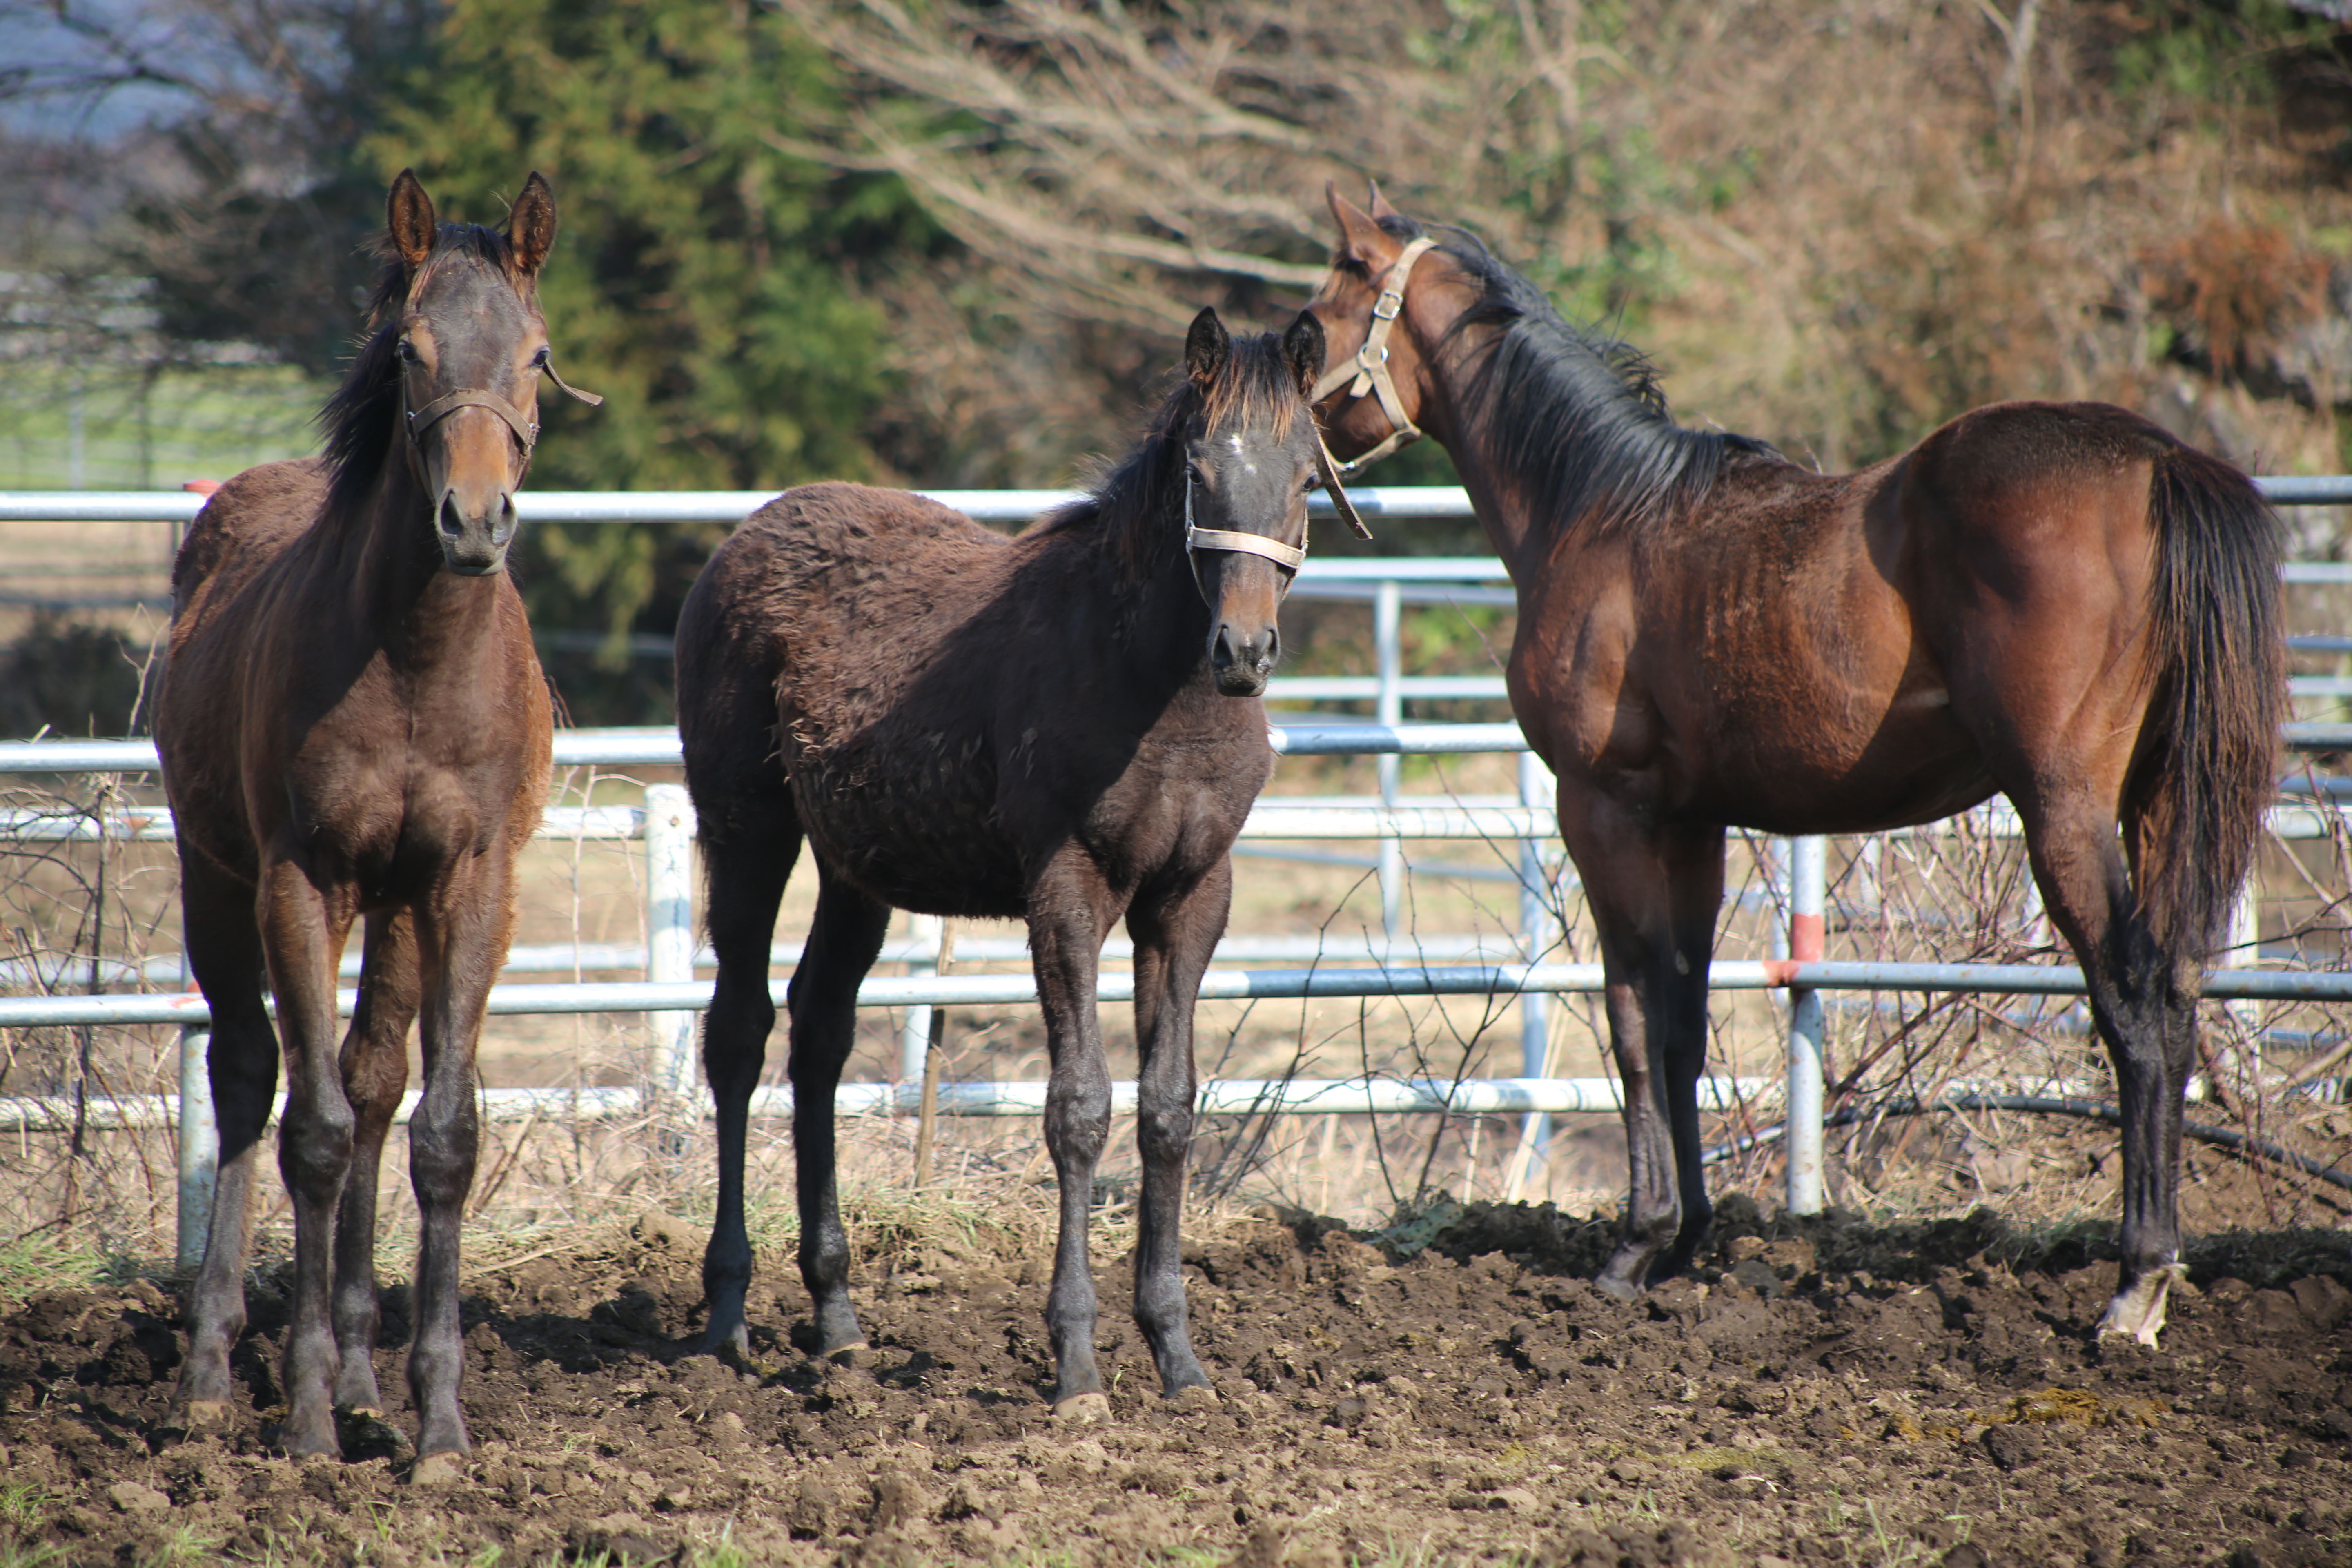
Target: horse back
941,706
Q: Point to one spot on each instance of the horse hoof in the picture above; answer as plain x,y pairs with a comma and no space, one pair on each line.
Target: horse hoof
856,1353
1194,1396
2138,1311
198,1413
1621,1290
437,1469
1083,1407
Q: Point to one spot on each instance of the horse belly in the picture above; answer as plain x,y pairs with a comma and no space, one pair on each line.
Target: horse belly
1808,774
914,827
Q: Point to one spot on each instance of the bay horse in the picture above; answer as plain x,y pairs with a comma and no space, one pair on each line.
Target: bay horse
353,728
2059,602
1060,727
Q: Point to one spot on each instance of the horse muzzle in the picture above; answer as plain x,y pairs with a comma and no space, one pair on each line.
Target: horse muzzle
1242,661
474,529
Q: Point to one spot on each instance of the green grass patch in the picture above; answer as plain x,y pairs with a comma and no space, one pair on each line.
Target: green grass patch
44,1261
142,431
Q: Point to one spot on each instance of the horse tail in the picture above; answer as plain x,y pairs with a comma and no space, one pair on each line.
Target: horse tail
2219,661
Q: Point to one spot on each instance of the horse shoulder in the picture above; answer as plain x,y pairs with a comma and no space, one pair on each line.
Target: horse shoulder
245,524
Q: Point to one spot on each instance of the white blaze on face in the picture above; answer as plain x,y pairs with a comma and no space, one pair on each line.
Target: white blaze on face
1247,467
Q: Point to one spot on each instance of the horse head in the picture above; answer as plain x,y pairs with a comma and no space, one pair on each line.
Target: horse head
470,346
1378,352
1251,454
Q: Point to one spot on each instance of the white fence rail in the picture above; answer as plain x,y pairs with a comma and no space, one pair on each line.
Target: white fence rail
671,996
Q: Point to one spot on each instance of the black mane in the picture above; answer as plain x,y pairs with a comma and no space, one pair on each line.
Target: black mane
1138,501
356,423
1577,415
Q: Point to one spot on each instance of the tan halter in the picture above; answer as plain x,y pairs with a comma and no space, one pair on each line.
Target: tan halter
1369,371
1289,557
419,420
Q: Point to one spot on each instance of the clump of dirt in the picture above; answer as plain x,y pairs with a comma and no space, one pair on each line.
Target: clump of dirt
1823,1391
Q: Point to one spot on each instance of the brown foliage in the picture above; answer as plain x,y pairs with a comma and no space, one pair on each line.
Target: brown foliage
1837,224
2238,286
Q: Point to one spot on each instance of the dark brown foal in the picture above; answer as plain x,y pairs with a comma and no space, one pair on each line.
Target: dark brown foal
2058,602
354,729
1061,728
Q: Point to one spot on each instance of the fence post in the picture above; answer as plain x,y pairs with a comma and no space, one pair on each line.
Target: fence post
1535,933
669,930
199,1145
1388,614
1808,933
915,1039
2245,951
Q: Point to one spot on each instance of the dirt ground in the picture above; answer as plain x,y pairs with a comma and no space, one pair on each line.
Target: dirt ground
1830,1391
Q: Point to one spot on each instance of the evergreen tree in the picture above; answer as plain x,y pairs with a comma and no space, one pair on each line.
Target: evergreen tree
703,280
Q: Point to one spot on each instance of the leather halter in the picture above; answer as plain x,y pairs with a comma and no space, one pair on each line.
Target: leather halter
1290,557
526,430
1369,371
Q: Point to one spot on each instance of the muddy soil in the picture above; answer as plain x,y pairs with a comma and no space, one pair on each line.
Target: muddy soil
1831,1392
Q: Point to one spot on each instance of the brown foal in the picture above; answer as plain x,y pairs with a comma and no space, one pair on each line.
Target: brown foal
1061,728
354,729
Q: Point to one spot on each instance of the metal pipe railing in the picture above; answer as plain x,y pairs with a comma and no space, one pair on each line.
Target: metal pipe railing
671,995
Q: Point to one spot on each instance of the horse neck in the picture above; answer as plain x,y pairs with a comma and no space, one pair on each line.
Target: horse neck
1521,534
396,592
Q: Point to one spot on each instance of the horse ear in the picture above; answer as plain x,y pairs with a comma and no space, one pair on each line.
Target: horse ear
408,219
1206,348
1361,238
531,225
1380,207
1302,351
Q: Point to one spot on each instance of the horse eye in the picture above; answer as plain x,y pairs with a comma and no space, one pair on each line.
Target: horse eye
407,352
541,357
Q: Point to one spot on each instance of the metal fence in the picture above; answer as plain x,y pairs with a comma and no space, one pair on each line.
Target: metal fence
671,995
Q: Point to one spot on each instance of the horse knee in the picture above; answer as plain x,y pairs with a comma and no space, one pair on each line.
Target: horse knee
441,1152
1164,1128
1077,1116
314,1149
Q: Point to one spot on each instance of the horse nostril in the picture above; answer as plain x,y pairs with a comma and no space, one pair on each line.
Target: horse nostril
451,523
1221,648
1273,646
505,528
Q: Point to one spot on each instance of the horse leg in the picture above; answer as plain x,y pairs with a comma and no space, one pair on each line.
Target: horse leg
1654,892
462,929
223,948
303,926
746,870
844,934
2148,1024
1174,937
375,1075
1069,908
